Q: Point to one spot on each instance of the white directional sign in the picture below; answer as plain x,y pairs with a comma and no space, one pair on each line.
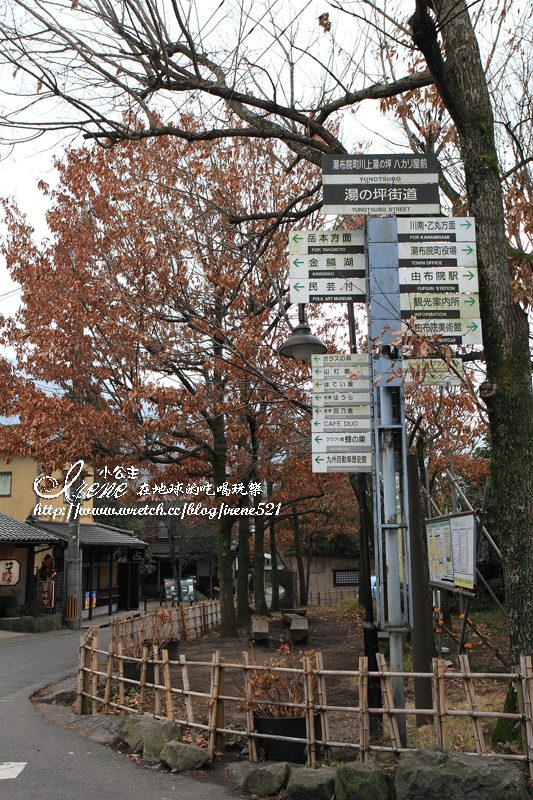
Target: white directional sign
442,229
360,384
342,442
327,265
309,242
333,290
438,279
459,331
437,254
440,306
380,184
342,462
331,425
342,398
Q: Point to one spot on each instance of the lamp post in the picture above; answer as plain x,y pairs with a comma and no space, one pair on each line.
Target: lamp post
301,345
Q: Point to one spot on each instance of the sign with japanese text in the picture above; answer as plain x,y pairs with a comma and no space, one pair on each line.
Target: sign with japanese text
380,184
309,242
9,572
342,442
452,550
457,331
327,265
430,279
441,229
334,290
440,306
437,254
342,462
45,593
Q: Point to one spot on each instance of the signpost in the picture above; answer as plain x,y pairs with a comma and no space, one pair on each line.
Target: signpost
381,184
327,266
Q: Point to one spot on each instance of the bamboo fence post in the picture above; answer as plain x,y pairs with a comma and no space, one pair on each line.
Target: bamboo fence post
143,625
109,672
439,696
188,698
120,651
527,691
386,693
252,743
142,688
168,685
215,677
477,728
310,716
521,707
95,667
157,698
364,716
185,623
79,686
322,699
219,737
87,677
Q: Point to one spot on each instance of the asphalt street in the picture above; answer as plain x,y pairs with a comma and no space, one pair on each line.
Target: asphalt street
59,763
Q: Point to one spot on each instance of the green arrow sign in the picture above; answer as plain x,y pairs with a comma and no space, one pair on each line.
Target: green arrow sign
466,224
469,275
297,238
468,249
317,397
317,422
318,439
298,263
471,301
318,384
298,286
472,327
318,459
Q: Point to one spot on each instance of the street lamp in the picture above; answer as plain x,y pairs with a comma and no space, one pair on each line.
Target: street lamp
302,344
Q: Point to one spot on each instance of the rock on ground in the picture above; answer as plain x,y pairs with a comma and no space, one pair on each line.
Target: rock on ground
434,774
303,784
164,730
266,779
183,757
357,781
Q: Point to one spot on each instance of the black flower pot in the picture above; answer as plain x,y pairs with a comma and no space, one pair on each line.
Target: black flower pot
278,750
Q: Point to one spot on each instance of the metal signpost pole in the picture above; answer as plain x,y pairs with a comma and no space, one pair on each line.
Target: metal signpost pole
73,589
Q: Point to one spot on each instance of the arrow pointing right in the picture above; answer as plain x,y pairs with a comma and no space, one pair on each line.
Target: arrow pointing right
468,249
472,327
466,224
469,275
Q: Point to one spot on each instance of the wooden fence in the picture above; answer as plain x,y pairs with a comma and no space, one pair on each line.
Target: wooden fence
328,597
101,682
183,622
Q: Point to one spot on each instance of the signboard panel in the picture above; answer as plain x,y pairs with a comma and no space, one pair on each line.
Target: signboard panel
344,398
306,242
354,359
452,551
319,424
334,290
440,306
445,279
458,331
445,254
327,412
9,572
380,184
327,265
426,371
341,442
442,229
343,462
360,384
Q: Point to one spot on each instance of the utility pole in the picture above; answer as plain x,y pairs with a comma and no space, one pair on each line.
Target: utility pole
73,589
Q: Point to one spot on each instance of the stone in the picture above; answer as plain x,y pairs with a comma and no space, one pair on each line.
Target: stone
357,781
304,783
135,730
101,728
239,770
165,730
266,779
183,757
434,773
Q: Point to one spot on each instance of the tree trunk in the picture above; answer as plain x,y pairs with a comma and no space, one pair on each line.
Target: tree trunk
461,83
244,618
259,564
302,593
274,606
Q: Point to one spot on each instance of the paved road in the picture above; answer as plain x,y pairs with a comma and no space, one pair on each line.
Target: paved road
61,764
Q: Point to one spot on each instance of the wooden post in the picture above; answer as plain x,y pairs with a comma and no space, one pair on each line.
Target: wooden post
439,696
95,665
364,716
109,673
142,688
120,651
215,677
322,699
87,677
188,698
168,685
310,712
157,700
477,729
219,737
252,743
527,691
521,707
79,685
388,702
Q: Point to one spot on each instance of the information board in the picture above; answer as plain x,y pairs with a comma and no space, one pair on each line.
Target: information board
451,542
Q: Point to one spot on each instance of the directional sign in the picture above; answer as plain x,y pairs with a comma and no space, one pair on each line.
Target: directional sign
381,184
344,398
328,412
360,384
445,254
436,279
328,265
442,229
340,371
334,290
440,306
460,331
341,442
321,424
342,462
307,242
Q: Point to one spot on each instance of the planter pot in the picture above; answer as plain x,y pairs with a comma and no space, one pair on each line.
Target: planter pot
132,669
12,612
275,750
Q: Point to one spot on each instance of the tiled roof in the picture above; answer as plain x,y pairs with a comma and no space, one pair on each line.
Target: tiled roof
159,549
11,530
93,534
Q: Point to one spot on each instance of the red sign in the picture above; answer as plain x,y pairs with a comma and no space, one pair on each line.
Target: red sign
45,591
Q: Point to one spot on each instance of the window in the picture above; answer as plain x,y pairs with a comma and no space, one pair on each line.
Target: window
345,577
5,484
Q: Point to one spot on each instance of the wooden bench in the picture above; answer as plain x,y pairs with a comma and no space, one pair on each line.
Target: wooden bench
260,629
299,626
